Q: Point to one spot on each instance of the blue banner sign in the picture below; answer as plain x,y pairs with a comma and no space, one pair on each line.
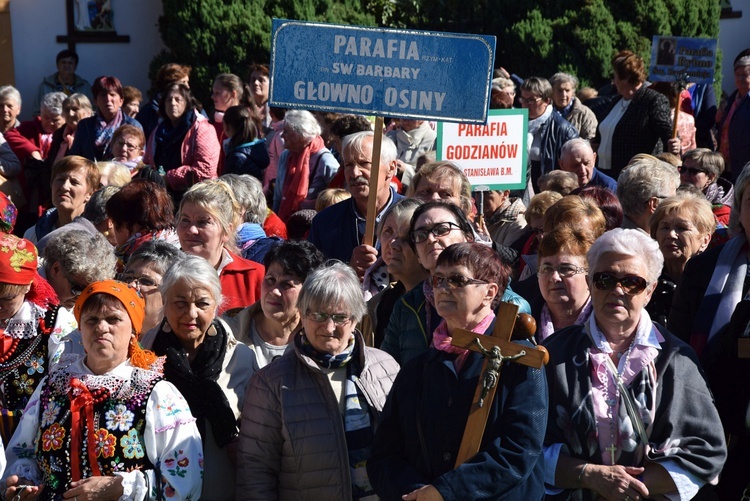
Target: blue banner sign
674,57
376,71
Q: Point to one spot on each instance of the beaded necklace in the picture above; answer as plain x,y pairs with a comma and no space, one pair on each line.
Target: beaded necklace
613,403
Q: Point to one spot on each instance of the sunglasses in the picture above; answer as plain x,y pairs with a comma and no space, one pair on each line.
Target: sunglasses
454,282
438,230
564,270
693,171
337,318
630,284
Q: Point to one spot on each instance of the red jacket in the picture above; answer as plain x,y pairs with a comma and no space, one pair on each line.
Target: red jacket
26,139
240,283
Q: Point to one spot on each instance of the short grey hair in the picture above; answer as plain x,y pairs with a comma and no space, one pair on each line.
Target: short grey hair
95,209
53,102
642,180
401,210
332,283
195,272
561,78
573,144
248,191
159,254
388,151
631,243
303,123
8,91
538,86
81,254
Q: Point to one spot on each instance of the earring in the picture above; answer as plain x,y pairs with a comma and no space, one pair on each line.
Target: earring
166,327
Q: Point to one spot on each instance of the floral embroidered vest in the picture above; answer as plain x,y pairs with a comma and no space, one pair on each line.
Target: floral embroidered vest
23,365
87,418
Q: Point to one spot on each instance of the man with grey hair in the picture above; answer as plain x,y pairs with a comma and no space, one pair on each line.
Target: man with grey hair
338,231
75,259
573,110
641,187
578,157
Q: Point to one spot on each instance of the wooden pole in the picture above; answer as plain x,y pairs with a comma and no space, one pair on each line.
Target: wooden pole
676,112
372,199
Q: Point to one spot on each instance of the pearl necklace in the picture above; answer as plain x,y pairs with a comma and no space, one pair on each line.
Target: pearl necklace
613,403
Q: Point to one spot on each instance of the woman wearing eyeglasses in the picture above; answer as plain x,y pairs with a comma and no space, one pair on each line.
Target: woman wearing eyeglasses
310,416
630,416
418,440
434,226
562,280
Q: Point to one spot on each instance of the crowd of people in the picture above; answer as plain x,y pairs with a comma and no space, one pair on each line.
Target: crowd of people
190,307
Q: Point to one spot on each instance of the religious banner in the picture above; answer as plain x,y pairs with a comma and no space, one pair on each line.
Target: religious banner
676,57
378,71
493,156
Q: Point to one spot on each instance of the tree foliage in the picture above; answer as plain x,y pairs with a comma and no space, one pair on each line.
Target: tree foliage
544,36
533,38
220,36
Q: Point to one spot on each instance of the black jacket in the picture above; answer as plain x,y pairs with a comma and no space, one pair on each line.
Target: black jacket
248,158
645,127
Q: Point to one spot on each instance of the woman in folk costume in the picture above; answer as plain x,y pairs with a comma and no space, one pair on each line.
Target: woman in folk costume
33,327
106,426
305,168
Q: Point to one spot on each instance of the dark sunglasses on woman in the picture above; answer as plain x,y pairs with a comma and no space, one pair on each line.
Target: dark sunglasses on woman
630,284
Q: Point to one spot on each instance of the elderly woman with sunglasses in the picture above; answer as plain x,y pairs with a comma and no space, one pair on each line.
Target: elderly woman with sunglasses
631,416
418,440
310,416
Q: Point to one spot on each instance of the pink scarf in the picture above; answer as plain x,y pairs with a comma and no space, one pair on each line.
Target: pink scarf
441,339
297,178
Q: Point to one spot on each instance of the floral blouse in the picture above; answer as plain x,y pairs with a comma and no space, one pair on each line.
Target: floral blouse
142,430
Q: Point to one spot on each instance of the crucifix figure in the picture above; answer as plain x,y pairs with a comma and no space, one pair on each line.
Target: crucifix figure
496,348
612,451
495,361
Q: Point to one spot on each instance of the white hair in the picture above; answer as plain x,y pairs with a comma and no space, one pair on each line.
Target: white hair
632,243
388,151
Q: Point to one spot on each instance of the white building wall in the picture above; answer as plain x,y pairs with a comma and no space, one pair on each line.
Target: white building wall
734,37
37,23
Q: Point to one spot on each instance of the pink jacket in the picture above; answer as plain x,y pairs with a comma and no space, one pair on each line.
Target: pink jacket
200,155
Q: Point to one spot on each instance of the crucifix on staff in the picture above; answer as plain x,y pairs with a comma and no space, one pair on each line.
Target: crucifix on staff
497,350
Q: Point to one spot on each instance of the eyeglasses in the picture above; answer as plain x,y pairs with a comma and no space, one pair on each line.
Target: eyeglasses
128,146
438,230
693,171
337,318
529,100
564,270
454,282
139,281
75,289
630,284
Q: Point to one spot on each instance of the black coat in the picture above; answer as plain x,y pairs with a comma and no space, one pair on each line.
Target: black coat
645,127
